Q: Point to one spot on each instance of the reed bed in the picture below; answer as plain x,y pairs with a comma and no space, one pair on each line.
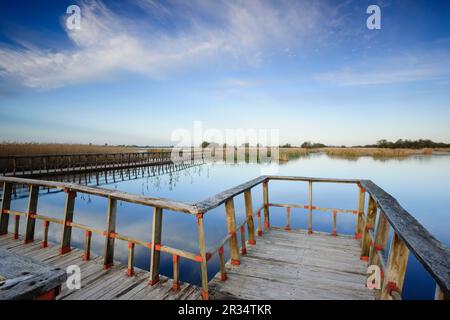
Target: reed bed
17,149
287,154
375,152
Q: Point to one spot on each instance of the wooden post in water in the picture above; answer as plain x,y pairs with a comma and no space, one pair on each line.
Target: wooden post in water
68,218
110,229
249,213
156,243
31,213
266,204
6,205
368,227
231,225
395,268
204,256
360,213
310,207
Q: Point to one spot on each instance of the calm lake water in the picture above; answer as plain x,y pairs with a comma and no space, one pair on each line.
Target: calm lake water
421,184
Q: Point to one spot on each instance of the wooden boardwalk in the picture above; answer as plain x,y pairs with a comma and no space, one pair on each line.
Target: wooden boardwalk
265,262
98,283
292,265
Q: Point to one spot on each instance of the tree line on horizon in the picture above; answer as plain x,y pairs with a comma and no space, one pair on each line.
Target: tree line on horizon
399,144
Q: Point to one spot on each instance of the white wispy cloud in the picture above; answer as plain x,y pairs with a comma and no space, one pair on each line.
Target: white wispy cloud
404,68
199,32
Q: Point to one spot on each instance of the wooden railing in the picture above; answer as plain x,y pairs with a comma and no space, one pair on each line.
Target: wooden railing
409,235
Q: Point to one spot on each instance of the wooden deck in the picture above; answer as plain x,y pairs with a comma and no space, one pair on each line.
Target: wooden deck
97,283
292,265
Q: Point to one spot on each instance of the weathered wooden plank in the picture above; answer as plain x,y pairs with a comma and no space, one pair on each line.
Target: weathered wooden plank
312,267
220,198
29,279
311,179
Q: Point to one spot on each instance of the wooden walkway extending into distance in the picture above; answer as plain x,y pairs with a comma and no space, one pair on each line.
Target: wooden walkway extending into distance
38,166
264,262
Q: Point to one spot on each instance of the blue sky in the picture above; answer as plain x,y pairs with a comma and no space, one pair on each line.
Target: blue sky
138,70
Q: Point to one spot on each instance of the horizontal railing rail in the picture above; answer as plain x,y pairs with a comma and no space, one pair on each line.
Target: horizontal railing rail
372,228
107,193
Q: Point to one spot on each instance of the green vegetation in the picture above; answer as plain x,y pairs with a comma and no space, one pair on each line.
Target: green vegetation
410,144
312,145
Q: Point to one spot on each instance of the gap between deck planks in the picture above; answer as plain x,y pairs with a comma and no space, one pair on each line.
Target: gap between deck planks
97,283
293,265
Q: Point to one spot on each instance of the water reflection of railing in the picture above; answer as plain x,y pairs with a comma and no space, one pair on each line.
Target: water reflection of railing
372,229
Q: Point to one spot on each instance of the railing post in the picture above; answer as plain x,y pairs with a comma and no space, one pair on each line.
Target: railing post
288,219
31,213
87,246
381,239
16,227
223,270
243,246
250,221
310,207
258,215
360,213
368,226
44,243
156,243
266,204
110,228
335,223
395,268
231,224
68,218
6,205
176,272
130,270
204,256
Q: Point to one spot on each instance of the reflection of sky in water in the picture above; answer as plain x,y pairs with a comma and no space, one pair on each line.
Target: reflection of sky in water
421,184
